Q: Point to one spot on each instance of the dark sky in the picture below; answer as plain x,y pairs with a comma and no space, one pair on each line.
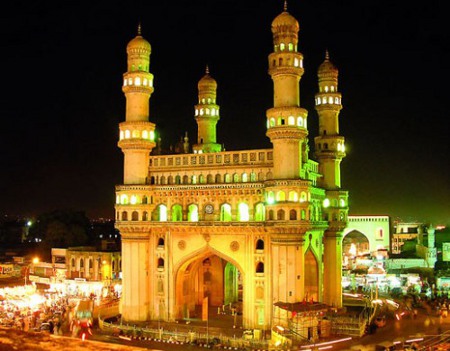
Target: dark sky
62,101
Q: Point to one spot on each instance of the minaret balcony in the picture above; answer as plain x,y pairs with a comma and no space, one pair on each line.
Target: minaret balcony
136,144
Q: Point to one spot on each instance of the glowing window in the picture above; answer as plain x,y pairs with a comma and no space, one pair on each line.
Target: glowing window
336,100
235,178
318,101
194,179
145,82
152,135
301,63
253,177
290,47
302,196
227,178
162,213
326,203
133,200
299,121
203,101
121,135
177,213
303,214
326,88
281,196
270,198
293,196
137,81
296,62
291,121
243,214
324,100
201,112
145,134
225,213
332,88
213,112
260,212
282,46
330,99
305,122
124,199
117,199
196,112
244,177
130,81
151,83
135,134
125,82
193,213
342,202
272,122
201,179
127,134
207,111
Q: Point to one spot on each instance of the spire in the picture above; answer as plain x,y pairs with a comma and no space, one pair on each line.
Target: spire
285,6
207,69
139,29
327,55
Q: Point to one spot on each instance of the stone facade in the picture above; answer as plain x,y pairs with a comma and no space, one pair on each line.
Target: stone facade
241,228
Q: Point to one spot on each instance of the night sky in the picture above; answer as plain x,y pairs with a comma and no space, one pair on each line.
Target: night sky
62,101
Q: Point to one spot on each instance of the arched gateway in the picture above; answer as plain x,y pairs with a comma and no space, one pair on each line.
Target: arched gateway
204,227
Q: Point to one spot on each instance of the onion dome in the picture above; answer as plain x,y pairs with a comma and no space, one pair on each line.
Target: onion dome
138,43
207,82
285,26
327,69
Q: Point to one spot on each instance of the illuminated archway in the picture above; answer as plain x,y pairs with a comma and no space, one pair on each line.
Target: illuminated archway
311,276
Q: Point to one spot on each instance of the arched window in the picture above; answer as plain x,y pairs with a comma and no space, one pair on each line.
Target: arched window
227,178
209,179
134,216
291,121
235,178
260,176
253,177
145,216
259,244
144,199
124,216
162,180
162,213
243,214
72,263
170,180
281,196
161,242
160,262
177,179
260,212
260,267
193,213
177,213
185,179
293,196
225,213
271,217
303,214
194,179
218,178
280,215
303,197
134,200
270,198
201,179
244,177
293,215
124,199
81,263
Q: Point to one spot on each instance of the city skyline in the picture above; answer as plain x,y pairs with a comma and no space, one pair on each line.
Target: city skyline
64,101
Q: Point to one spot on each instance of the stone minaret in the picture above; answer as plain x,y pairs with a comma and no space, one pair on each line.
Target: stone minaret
286,121
329,151
207,115
137,134
137,139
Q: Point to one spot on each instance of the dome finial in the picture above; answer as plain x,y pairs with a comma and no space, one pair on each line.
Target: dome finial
327,55
139,29
285,6
207,69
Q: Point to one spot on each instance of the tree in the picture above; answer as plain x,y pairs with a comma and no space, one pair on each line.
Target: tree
62,229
